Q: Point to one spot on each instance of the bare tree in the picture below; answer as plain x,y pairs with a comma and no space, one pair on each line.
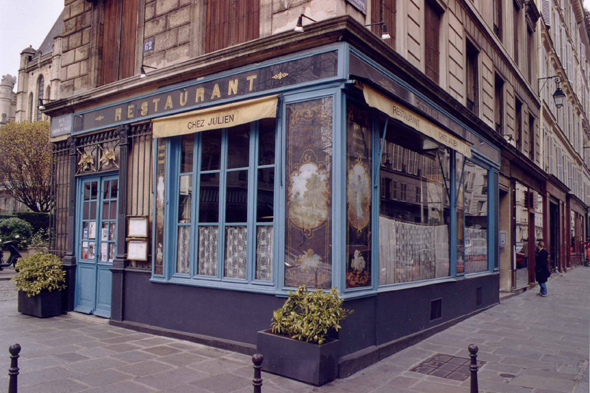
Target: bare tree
25,164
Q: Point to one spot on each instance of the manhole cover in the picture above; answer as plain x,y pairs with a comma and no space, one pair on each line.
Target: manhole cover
446,366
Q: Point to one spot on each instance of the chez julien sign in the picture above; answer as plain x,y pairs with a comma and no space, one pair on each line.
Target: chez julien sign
173,101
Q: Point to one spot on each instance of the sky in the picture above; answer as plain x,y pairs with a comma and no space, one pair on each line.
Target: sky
24,23
27,22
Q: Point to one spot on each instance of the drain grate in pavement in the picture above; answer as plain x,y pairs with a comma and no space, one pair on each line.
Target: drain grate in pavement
446,366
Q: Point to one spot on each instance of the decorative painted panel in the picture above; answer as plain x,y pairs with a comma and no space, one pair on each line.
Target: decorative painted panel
160,206
358,197
308,259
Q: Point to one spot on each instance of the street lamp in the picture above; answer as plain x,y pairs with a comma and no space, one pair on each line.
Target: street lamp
559,96
143,67
41,106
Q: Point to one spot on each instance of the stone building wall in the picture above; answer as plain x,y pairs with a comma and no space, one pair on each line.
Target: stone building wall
7,99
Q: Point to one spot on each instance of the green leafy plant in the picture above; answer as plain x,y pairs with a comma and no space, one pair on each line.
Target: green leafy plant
17,230
39,272
39,242
309,316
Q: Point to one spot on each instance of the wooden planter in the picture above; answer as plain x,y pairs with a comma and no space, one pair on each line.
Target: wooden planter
306,362
44,305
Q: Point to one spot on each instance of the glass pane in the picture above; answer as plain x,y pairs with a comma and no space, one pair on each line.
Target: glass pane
210,150
209,198
476,219
106,191
160,206
104,232
85,231
113,214
184,248
238,146
86,191
111,252
308,259
114,188
105,210
104,252
358,197
264,239
86,214
265,195
84,250
414,209
112,230
186,153
460,214
94,190
93,210
236,239
207,257
185,193
266,142
91,250
237,197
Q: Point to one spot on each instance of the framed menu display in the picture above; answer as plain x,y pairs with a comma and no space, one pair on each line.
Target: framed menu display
137,249
137,226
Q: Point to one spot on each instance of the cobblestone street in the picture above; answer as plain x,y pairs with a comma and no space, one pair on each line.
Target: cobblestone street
529,344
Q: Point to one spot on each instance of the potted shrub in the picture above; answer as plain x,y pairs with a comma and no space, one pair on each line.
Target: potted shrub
301,343
39,280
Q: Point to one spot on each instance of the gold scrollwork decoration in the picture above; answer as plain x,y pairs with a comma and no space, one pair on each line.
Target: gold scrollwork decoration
99,118
86,162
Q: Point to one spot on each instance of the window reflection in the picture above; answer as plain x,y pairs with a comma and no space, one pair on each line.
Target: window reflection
414,208
476,218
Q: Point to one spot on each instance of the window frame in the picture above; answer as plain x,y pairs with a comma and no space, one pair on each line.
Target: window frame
173,162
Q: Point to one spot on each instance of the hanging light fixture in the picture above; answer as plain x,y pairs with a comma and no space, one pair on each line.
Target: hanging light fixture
384,33
559,97
299,25
143,73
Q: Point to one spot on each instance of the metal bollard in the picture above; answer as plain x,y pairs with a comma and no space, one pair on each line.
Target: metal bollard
13,370
473,368
257,381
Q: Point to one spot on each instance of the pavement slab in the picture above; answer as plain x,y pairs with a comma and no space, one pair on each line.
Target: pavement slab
529,344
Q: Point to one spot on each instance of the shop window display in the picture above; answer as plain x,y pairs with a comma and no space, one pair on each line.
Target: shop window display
413,232
308,218
476,218
522,234
358,197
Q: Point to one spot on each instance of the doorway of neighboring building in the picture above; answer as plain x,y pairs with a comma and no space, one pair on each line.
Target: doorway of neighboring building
554,234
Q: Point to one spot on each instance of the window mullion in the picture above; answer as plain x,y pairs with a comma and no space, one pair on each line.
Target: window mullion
195,205
222,204
251,226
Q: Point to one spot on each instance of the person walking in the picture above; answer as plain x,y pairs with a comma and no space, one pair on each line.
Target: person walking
542,271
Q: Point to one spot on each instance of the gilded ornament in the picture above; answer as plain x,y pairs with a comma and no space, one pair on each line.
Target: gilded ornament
108,157
280,75
86,161
99,118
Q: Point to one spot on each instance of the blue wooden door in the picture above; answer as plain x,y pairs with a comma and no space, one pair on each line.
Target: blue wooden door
96,245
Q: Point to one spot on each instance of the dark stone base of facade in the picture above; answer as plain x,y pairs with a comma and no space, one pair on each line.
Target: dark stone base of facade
380,325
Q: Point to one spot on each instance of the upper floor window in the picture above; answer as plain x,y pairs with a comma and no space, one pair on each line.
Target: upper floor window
516,19
118,40
432,41
40,90
472,77
499,104
231,22
532,137
497,5
518,123
384,11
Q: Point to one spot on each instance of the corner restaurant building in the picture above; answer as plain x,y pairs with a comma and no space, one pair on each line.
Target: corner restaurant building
321,159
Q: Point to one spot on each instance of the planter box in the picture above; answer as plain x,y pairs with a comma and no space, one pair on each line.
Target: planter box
44,305
310,363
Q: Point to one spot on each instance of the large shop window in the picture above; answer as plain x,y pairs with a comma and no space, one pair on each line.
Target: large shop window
414,223
223,197
308,194
472,210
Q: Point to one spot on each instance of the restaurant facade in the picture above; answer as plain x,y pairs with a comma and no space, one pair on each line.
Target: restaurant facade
190,202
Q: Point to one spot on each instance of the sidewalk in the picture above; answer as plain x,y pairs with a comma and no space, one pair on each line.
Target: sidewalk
528,344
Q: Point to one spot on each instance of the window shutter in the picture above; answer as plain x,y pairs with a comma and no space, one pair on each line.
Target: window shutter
570,69
546,10
551,156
